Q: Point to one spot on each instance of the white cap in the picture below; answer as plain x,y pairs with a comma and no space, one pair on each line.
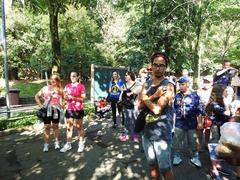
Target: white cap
208,78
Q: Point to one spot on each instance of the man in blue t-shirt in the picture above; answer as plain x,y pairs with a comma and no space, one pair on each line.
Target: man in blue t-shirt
187,109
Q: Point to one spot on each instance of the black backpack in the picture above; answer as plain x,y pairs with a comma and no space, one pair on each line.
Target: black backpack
128,101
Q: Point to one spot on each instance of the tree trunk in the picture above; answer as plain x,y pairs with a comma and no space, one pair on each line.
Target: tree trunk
53,8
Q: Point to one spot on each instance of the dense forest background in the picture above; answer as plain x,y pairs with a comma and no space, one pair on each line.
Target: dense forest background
65,35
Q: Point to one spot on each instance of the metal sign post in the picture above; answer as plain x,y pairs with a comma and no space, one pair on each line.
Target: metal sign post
3,36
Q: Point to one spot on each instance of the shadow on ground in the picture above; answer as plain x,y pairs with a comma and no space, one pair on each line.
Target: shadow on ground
105,157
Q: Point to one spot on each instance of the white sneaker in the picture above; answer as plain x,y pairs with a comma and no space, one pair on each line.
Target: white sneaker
66,147
56,145
176,160
195,160
80,147
45,148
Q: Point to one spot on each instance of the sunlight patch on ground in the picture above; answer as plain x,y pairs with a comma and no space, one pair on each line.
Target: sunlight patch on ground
120,156
74,169
71,176
105,169
38,127
36,169
118,176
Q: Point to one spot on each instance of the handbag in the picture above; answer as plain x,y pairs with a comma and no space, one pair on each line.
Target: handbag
141,120
42,112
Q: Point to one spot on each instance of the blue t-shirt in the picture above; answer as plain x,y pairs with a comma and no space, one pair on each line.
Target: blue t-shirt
115,91
187,108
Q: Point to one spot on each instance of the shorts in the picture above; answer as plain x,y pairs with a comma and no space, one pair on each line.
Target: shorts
74,114
158,153
52,119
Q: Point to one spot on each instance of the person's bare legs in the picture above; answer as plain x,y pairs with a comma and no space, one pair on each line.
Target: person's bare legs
154,173
168,175
46,133
215,166
56,131
69,129
79,125
81,133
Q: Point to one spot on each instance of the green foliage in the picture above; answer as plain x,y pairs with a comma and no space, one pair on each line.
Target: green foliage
88,109
29,118
124,33
18,121
79,37
28,44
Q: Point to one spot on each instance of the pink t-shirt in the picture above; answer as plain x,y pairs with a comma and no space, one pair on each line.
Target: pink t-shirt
75,91
47,92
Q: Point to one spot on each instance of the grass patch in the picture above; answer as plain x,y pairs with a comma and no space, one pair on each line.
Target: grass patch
28,89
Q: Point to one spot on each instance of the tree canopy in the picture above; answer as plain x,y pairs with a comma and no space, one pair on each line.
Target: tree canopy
71,35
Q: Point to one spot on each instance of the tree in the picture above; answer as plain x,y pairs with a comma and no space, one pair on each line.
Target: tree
53,7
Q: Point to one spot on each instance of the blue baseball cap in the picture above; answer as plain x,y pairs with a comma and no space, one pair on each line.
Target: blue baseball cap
184,79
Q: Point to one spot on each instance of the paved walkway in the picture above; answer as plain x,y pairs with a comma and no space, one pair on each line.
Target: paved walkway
105,157
17,108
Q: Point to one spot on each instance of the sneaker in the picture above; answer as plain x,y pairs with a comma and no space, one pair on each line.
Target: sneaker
195,160
135,138
176,160
66,147
56,145
45,148
80,147
124,137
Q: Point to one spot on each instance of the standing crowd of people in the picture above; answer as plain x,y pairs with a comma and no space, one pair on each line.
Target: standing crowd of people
168,110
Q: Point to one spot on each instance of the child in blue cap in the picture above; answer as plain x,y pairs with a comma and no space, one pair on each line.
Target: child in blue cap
187,109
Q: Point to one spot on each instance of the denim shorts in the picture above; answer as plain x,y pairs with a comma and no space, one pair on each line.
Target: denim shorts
158,153
74,114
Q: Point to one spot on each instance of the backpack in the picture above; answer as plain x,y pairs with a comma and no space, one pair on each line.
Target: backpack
128,101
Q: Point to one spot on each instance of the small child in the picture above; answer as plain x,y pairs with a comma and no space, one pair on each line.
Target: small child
102,107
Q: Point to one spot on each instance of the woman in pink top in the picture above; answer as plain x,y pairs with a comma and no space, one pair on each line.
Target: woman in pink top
74,94
52,95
